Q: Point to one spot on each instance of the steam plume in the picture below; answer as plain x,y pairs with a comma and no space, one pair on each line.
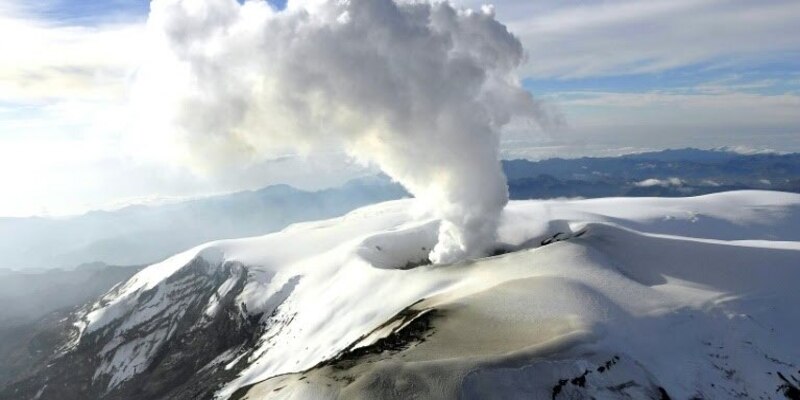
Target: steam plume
421,89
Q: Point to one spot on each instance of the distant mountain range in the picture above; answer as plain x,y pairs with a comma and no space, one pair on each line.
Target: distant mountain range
141,234
61,338
616,298
668,173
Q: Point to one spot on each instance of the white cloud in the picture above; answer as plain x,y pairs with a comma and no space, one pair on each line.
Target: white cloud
64,142
590,38
608,123
723,107
41,62
421,90
749,150
660,182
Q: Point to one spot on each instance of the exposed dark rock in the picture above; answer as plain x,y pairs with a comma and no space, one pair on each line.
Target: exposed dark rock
415,326
790,389
663,393
179,368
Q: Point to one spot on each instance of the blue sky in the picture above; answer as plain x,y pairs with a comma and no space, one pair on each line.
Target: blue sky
86,12
625,76
775,77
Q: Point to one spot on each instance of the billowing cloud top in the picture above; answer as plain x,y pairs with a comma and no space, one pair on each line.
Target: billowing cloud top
421,89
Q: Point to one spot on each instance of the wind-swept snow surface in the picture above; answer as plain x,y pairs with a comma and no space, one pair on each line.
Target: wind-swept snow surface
646,298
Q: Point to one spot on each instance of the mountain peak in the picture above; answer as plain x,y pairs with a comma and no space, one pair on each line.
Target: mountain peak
573,307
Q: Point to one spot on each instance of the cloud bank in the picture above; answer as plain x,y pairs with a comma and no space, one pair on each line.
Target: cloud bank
660,182
420,89
582,38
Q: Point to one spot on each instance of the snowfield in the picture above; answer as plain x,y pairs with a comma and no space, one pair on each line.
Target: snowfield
639,297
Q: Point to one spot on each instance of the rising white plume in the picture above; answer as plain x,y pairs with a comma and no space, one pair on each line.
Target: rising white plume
420,89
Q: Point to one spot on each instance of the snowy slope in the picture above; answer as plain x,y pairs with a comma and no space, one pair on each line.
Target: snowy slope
645,298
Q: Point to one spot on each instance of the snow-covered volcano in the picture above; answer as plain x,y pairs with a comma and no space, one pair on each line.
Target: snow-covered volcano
609,298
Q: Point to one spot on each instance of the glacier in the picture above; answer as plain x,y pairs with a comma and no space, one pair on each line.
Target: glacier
605,298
